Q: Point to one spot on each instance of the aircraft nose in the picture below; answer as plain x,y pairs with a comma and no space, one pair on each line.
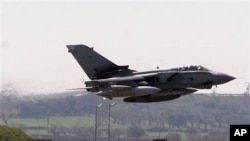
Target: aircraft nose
220,78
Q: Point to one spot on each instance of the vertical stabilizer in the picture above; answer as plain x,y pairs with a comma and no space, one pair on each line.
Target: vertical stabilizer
95,65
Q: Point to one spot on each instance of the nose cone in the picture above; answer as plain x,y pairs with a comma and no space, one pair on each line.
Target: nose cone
220,78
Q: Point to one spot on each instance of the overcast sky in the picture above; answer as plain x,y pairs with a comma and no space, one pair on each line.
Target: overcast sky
140,34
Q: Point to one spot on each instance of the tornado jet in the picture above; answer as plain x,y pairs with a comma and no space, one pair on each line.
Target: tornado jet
113,81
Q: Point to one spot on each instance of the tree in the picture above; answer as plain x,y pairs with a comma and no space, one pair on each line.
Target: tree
6,114
65,132
54,131
116,133
174,137
136,132
177,120
84,133
8,104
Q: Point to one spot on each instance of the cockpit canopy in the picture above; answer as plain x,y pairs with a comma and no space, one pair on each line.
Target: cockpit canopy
190,68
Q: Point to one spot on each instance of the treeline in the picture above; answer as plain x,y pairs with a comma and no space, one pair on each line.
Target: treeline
62,106
191,114
191,110
197,116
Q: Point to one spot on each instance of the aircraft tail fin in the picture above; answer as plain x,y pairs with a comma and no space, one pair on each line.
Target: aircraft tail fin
95,65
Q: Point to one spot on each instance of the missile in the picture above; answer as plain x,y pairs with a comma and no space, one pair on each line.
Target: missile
120,87
179,92
121,91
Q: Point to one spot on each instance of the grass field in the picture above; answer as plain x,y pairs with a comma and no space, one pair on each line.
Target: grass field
57,121
66,122
51,121
40,125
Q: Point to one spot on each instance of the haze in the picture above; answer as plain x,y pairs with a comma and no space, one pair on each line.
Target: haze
140,34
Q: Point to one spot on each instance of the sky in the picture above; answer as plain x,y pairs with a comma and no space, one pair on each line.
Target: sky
141,34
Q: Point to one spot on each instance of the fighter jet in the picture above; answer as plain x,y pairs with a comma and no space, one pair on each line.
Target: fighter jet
110,80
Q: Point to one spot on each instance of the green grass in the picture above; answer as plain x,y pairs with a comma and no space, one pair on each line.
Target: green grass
53,121
72,121
79,121
28,121
57,121
156,135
